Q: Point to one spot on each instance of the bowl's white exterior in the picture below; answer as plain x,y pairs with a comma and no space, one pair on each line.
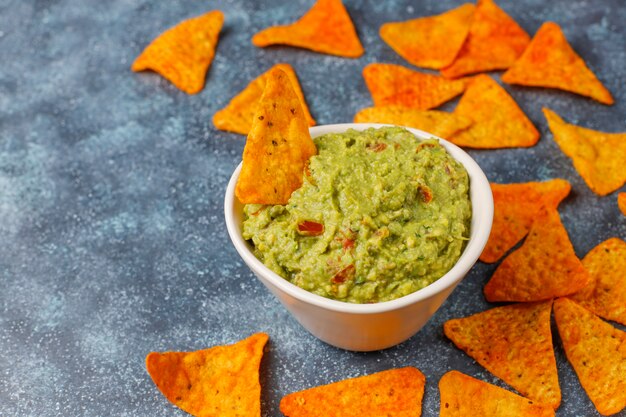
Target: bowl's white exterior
366,327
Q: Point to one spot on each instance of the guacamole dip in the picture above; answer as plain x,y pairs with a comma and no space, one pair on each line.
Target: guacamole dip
380,215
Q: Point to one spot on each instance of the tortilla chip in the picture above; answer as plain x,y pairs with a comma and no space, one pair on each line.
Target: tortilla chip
391,84
515,209
606,293
498,120
238,114
278,146
514,343
223,380
392,393
549,61
430,42
598,157
544,267
183,53
621,202
464,396
494,42
597,352
325,28
435,122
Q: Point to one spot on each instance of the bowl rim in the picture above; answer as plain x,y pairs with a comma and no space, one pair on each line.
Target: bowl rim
482,218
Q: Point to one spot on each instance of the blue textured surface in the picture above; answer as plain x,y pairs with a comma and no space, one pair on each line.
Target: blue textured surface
113,241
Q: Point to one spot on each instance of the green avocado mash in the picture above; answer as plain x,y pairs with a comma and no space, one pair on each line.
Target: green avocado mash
380,214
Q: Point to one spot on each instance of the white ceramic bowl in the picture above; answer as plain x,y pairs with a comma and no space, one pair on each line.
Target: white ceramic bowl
366,327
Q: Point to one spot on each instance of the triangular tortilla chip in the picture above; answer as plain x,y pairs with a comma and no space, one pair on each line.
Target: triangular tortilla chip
430,42
238,114
438,123
598,157
597,352
514,343
515,209
278,146
464,396
498,120
494,42
183,54
392,84
220,381
606,293
549,61
621,202
325,28
544,267
392,393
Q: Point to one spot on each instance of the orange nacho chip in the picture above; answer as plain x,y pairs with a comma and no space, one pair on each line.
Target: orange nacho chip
606,293
438,123
549,61
597,352
430,42
514,343
325,28
515,209
183,53
278,146
238,114
498,120
598,157
464,396
222,380
544,267
621,202
391,84
494,42
392,393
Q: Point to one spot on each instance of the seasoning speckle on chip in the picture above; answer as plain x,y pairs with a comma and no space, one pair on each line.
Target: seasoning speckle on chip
432,41
598,157
549,61
278,146
597,352
514,343
515,209
220,381
394,214
605,295
464,396
184,53
438,123
494,42
326,28
237,116
391,393
392,84
498,120
544,267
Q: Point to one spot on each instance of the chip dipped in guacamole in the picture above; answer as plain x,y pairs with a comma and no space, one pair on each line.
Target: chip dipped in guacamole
380,214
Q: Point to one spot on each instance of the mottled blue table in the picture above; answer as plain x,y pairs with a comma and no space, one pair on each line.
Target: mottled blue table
112,237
